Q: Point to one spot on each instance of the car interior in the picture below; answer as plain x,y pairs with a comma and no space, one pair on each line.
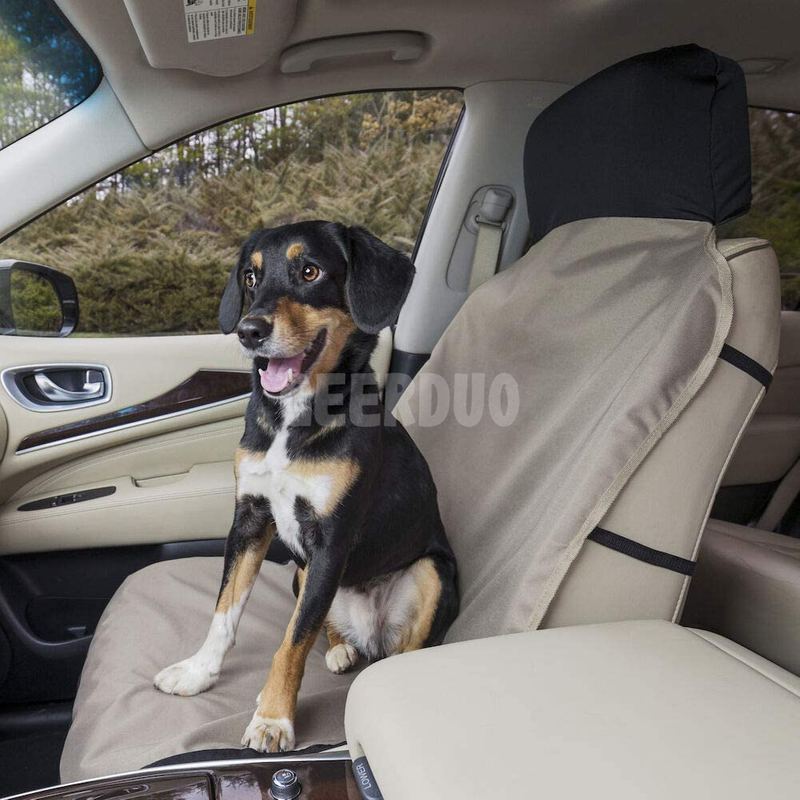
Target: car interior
606,229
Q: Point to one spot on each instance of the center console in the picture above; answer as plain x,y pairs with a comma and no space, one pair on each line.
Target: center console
328,776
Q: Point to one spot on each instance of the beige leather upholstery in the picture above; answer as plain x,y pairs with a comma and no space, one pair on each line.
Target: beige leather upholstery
622,711
747,588
666,502
771,442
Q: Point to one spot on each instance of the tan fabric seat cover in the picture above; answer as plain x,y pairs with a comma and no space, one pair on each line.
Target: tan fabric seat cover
160,615
747,588
609,327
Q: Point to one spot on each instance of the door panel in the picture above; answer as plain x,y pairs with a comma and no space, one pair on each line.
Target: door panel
197,504
52,647
142,370
143,459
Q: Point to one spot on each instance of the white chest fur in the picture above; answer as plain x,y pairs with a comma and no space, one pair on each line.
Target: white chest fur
271,476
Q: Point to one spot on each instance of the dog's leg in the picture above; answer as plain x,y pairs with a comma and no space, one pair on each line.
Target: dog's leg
429,592
248,541
341,655
272,727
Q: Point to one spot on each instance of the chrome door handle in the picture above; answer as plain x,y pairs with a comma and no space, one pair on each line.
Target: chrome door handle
94,386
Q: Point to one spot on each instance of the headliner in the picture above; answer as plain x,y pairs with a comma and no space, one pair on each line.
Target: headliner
467,41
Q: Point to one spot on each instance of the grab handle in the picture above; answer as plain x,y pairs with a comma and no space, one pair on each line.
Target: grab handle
403,45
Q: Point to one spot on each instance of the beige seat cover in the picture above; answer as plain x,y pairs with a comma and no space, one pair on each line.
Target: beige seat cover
608,327
747,588
159,616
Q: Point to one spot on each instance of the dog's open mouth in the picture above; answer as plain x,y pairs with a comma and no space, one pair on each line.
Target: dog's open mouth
281,375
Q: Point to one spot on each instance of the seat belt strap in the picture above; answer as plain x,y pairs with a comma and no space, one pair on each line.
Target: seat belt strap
489,220
641,552
749,365
487,251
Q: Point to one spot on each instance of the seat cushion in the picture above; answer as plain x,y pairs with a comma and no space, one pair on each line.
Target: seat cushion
747,588
161,615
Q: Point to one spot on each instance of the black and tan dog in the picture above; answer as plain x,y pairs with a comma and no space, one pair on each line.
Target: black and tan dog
350,495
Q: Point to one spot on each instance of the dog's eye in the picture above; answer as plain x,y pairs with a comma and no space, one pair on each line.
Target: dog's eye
250,278
310,272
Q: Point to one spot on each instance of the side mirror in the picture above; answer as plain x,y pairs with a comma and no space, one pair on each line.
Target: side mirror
36,300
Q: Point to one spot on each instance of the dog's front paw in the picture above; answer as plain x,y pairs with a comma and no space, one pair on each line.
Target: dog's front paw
269,735
341,657
185,678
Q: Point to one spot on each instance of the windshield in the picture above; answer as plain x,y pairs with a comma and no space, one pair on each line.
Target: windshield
45,68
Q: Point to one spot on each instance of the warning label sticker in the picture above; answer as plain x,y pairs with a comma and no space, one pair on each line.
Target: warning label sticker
219,19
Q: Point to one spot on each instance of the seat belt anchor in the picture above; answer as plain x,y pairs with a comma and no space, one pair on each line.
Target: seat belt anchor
494,208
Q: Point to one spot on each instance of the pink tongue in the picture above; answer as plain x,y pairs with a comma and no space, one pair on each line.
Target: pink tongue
275,378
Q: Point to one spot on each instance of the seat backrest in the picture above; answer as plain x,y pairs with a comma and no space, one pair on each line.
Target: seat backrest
665,504
608,334
762,481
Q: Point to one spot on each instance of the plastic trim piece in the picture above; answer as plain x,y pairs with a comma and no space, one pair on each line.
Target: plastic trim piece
403,45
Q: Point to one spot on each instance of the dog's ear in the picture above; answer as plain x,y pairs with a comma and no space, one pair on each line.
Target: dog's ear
230,307
378,280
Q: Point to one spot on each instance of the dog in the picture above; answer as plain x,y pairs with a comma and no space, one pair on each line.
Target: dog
355,503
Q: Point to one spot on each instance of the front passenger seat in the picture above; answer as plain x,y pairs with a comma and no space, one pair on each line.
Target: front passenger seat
637,345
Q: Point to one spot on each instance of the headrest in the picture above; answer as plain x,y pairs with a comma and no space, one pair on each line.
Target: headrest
662,135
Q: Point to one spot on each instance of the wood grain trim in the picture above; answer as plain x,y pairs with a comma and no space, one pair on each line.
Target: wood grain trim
206,387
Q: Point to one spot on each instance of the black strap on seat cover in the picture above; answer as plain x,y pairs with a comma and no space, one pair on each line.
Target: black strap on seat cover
647,554
749,365
641,552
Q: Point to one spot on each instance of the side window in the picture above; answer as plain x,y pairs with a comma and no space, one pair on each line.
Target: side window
775,213
150,248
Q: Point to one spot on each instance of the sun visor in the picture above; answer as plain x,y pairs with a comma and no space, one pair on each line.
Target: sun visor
210,36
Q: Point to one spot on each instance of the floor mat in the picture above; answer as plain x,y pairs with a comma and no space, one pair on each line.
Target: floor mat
31,740
30,762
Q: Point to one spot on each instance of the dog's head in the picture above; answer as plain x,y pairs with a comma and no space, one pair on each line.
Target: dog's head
310,286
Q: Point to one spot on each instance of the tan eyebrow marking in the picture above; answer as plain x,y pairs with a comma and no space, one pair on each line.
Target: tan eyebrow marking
294,250
257,259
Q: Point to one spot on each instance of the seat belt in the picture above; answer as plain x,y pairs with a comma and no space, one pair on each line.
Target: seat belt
490,221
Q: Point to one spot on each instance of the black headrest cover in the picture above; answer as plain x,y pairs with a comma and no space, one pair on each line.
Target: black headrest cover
661,135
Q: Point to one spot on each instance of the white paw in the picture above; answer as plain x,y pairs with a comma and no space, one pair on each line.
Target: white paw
269,735
185,678
341,657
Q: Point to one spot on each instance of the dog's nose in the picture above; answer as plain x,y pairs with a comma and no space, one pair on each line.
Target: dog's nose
253,331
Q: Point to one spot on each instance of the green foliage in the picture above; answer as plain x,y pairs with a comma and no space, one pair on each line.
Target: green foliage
151,248
44,68
34,304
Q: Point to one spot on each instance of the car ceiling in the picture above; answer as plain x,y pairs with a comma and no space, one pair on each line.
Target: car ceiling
466,42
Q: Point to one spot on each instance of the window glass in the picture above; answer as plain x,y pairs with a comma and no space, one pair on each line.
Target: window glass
775,213
45,68
151,247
